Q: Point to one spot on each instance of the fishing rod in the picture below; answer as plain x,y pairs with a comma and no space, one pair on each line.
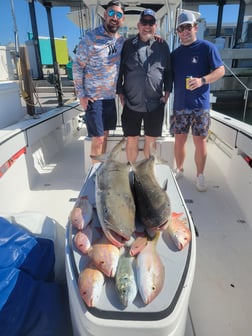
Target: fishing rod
15,28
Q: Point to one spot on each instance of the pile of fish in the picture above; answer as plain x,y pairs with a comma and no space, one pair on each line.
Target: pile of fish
123,193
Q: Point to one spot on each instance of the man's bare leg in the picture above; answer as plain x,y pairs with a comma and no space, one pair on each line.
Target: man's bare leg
132,148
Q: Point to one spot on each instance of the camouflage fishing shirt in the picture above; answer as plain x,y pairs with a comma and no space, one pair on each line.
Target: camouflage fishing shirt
96,66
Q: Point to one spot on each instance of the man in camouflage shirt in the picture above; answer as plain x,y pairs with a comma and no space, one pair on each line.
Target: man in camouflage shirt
95,72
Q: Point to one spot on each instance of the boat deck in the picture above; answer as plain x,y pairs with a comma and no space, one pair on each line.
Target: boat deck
220,301
221,298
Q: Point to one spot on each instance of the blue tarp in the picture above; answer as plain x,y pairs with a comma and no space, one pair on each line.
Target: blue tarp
31,303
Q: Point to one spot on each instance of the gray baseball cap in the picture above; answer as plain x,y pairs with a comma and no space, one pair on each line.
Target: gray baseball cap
186,17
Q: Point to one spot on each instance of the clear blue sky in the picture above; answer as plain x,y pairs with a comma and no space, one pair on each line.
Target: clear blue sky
64,27
210,13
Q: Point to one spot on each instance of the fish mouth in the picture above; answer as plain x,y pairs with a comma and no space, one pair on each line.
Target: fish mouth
161,227
117,239
108,273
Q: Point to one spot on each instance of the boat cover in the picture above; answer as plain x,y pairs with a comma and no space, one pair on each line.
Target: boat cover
31,303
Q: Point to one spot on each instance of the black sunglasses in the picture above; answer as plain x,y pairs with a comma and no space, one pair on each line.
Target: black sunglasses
148,22
181,28
112,12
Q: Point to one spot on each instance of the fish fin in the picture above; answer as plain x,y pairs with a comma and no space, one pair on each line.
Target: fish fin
114,151
152,235
153,152
165,185
176,214
131,165
138,163
100,158
117,148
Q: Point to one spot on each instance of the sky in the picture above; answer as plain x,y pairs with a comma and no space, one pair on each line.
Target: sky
62,26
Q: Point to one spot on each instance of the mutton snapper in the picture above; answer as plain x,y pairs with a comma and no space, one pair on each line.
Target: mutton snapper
150,271
90,284
114,200
82,213
178,230
104,256
152,202
83,239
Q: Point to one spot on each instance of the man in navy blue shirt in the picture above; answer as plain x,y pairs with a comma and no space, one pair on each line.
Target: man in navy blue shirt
195,64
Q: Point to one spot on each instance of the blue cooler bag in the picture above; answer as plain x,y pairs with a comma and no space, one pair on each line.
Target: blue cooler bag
31,303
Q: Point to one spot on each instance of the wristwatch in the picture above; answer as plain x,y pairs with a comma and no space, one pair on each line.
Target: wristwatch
203,80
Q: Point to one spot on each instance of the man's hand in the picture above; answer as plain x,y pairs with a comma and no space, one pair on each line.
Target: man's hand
84,102
121,97
158,38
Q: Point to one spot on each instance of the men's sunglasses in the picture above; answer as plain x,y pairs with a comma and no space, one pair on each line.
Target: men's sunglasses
111,13
181,28
148,22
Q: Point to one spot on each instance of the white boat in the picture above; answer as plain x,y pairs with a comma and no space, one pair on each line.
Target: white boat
45,167
47,180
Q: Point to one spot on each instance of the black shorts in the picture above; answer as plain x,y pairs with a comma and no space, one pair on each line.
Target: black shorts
152,122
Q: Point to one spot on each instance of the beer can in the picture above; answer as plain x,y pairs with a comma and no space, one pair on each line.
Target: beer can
187,82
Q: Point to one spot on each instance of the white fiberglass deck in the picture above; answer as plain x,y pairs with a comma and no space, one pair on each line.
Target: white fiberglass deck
221,298
220,302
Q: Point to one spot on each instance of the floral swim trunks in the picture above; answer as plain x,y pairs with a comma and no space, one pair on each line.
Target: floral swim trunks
198,120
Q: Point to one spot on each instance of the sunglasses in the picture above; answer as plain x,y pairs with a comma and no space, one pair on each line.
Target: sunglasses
111,13
181,28
148,22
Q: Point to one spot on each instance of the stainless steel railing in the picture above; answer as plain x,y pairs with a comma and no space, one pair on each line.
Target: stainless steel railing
246,91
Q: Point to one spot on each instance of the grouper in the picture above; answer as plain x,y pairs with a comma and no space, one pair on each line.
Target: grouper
152,202
114,200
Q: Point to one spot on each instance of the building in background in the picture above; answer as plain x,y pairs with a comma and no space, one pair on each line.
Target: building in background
61,49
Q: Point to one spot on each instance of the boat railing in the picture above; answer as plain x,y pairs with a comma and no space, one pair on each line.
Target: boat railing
246,90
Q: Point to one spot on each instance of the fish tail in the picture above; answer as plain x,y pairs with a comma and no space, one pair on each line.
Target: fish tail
176,214
165,185
155,238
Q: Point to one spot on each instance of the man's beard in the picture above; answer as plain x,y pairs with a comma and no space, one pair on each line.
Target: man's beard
112,29
147,37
